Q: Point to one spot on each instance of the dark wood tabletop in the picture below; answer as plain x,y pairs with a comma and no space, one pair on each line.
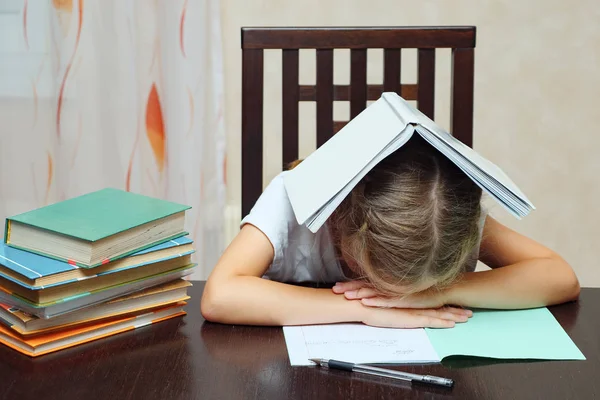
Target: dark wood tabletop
188,358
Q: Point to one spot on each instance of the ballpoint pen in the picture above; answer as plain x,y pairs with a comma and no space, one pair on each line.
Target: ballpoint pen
388,373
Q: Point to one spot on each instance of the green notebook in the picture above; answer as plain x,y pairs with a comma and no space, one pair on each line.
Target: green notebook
97,227
507,334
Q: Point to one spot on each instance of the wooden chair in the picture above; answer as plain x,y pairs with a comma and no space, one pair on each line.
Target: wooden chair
392,39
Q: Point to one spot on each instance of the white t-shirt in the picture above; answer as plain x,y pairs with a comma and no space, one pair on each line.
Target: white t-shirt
300,255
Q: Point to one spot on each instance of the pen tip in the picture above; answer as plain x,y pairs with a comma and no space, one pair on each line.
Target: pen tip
315,360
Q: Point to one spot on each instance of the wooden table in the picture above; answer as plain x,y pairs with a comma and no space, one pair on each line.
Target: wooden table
189,358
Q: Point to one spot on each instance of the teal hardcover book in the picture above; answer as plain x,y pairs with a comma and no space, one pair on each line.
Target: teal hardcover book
97,227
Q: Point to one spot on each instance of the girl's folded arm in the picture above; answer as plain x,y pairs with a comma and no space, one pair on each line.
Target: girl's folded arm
235,292
524,274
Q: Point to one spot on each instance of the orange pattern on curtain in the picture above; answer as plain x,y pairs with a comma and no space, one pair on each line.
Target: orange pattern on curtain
155,128
25,6
182,27
49,177
66,6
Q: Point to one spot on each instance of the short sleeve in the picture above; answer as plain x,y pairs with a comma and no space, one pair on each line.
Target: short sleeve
482,219
471,263
273,215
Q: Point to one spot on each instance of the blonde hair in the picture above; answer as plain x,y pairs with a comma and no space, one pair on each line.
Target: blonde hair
414,219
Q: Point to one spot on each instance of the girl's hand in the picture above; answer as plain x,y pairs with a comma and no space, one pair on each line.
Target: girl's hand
413,318
360,290
350,286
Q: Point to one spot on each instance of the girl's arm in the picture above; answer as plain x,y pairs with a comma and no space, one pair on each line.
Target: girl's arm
524,274
235,293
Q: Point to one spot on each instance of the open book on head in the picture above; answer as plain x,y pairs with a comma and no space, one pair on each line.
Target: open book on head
378,131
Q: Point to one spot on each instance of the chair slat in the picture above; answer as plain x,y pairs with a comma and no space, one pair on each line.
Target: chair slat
426,81
391,71
342,92
463,61
338,125
252,127
324,95
358,81
290,98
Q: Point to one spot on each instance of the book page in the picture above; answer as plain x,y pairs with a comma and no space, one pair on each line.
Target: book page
358,343
477,167
507,334
325,172
483,164
318,219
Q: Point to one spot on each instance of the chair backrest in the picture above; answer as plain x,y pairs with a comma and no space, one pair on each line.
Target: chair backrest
391,39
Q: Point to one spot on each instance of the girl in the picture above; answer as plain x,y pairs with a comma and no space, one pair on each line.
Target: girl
402,248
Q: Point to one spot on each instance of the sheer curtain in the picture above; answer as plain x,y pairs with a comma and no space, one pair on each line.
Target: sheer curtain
114,93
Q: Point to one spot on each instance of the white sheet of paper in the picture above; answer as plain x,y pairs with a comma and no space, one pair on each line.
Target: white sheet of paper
358,343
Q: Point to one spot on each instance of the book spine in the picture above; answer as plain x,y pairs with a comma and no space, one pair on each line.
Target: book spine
6,322
7,231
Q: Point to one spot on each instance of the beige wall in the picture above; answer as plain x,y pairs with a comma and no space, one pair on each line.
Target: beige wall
536,98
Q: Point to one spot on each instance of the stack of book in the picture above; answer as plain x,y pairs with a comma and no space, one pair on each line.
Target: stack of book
90,267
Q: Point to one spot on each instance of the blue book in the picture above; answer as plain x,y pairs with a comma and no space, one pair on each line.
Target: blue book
36,272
